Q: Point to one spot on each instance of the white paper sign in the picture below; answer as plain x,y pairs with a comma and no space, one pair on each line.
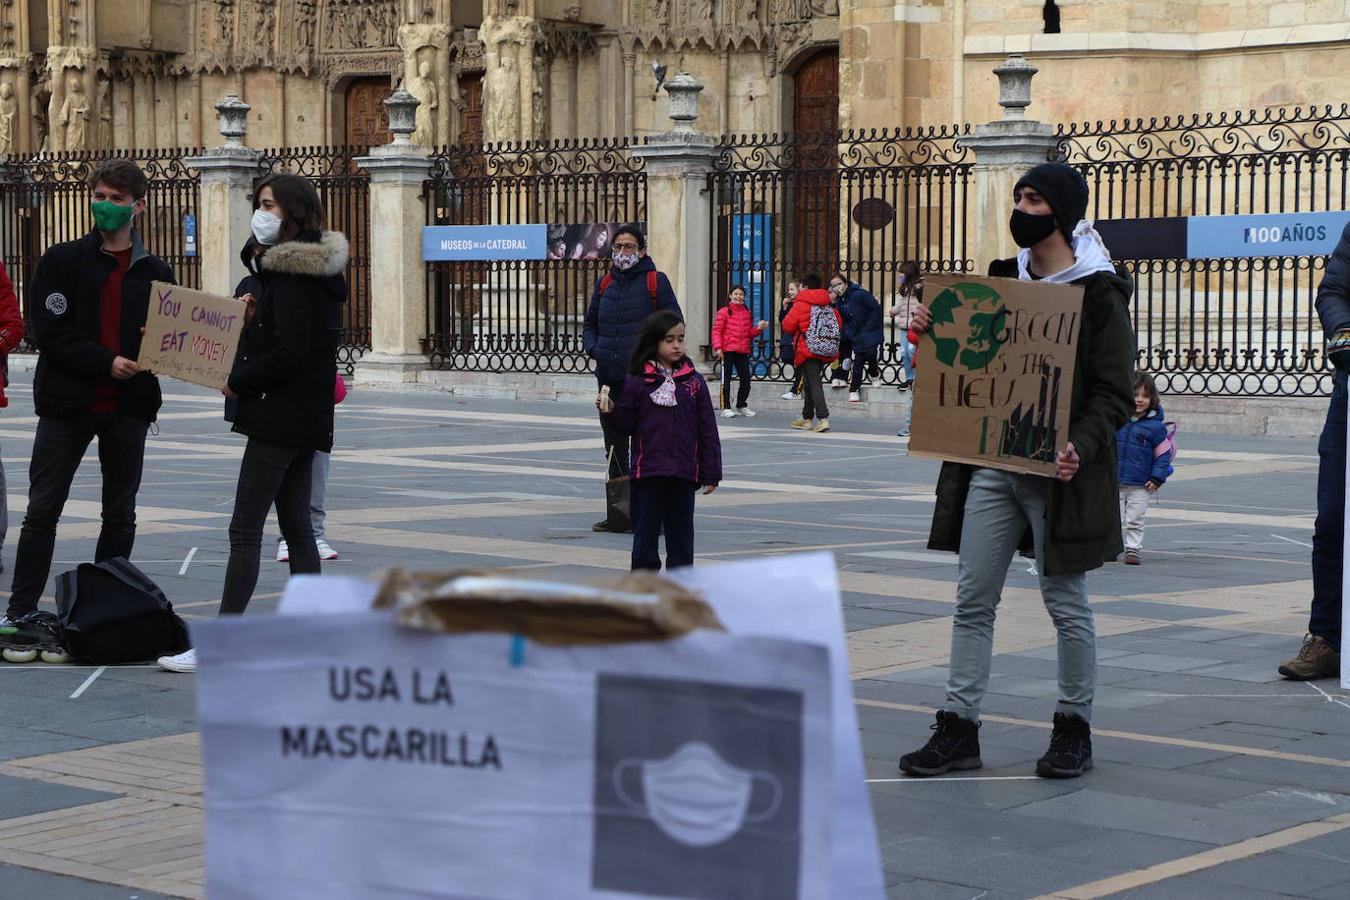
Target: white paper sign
795,597
354,758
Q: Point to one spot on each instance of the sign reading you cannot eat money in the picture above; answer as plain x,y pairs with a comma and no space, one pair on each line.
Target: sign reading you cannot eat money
995,372
190,335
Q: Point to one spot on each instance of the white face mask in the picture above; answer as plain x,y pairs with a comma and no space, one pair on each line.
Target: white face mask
625,261
698,798
266,227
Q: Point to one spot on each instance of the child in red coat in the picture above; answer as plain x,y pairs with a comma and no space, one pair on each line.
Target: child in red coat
11,334
733,330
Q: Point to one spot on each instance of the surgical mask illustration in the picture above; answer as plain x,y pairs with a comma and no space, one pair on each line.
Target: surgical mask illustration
695,796
266,227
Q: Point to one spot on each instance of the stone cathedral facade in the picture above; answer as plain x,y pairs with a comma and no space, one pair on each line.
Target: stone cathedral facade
99,74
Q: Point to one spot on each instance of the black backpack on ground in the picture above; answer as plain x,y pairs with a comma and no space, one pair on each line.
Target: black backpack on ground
111,612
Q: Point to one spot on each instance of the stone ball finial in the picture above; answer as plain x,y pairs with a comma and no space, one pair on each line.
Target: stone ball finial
683,90
1014,86
402,107
233,119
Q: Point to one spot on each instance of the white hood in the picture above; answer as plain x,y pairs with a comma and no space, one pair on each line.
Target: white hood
1090,255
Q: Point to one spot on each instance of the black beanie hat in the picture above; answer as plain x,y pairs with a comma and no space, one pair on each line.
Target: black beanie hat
1064,188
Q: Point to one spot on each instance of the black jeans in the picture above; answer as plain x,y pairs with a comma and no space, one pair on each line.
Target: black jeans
270,473
58,447
813,391
863,364
1329,530
616,442
739,363
663,504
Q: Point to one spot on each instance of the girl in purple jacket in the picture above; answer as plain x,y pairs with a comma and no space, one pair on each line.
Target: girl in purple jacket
667,409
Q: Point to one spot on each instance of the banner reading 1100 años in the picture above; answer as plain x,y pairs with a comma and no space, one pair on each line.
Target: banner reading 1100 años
478,243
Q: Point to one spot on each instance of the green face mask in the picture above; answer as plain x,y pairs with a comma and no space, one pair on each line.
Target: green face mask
110,217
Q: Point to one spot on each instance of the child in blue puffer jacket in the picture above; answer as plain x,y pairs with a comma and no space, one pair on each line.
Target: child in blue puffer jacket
1144,464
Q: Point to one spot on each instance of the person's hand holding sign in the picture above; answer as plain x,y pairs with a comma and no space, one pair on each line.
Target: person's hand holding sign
229,394
250,307
1067,462
123,368
920,319
603,402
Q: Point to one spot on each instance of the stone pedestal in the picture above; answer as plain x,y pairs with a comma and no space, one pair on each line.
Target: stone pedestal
227,175
1004,150
397,274
679,223
1003,153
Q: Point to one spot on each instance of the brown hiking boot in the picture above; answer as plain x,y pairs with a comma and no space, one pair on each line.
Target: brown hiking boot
1315,660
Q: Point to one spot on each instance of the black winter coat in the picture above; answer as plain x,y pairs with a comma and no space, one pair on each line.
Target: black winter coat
1333,294
614,319
65,312
1083,515
288,353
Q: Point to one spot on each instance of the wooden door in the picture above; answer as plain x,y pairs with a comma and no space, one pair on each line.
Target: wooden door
471,112
815,118
367,119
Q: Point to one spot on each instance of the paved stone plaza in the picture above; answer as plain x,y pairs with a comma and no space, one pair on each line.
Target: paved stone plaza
1214,778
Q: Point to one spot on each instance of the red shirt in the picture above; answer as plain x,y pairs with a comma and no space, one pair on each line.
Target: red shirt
110,328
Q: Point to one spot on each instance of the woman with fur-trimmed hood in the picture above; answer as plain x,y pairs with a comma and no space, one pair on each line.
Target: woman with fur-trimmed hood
283,381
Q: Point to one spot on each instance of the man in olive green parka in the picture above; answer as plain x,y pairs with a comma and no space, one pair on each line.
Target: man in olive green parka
1071,522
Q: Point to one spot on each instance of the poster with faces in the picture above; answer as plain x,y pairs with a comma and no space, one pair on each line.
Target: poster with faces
346,756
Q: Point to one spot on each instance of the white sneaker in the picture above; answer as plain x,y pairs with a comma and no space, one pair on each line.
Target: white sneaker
728,413
747,412
854,397
283,552
791,396
183,662
325,549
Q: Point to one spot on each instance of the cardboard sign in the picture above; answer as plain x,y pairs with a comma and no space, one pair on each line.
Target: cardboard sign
190,335
995,372
375,760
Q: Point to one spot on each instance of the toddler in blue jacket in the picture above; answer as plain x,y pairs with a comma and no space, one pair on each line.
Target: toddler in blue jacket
1144,462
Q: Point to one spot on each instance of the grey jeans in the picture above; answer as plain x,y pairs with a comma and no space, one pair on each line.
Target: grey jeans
318,515
998,509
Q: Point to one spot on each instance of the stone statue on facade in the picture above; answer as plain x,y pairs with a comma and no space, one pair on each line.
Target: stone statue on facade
9,116
423,87
38,98
75,116
305,13
658,11
225,21
264,18
502,96
103,103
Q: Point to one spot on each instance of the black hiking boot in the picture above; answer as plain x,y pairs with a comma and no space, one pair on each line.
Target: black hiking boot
1070,753
28,637
955,744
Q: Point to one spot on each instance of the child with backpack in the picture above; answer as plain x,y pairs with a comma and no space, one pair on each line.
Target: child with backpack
733,331
667,409
1145,449
816,327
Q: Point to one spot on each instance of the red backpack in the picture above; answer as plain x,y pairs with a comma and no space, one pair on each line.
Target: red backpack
651,286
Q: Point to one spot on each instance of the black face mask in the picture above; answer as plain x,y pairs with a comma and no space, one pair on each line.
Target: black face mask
1028,230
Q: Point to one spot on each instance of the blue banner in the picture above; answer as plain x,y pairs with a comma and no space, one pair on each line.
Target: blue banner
189,234
472,243
752,267
1224,237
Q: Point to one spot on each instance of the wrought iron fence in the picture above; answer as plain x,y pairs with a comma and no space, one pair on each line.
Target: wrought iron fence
1230,326
526,316
860,203
344,188
44,200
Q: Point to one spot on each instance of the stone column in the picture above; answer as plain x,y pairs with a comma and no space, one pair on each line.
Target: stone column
397,214
1004,150
678,163
227,174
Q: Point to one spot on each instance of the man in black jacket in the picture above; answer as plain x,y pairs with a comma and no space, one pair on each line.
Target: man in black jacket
87,302
1320,655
